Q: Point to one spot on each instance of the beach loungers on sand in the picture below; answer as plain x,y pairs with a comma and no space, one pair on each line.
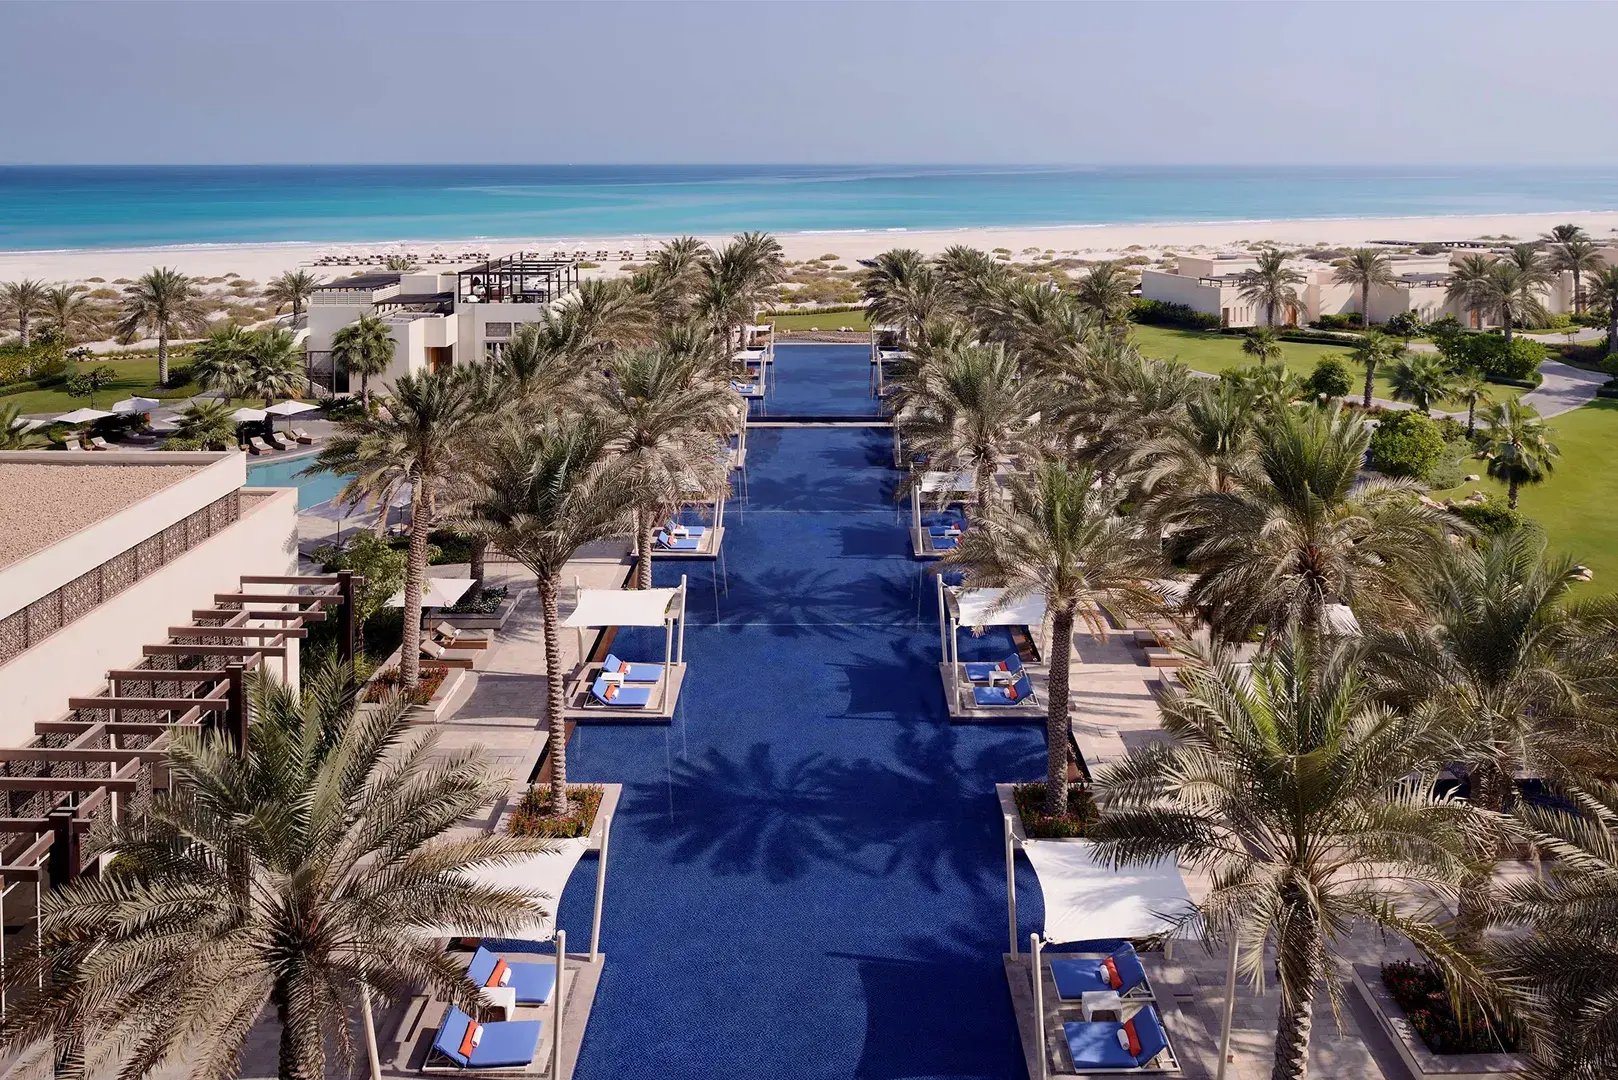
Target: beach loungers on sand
533,983
505,1044
1134,1043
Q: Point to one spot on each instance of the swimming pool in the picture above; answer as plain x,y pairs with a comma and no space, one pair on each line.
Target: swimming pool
285,472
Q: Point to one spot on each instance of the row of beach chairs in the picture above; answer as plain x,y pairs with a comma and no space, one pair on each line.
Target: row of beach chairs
269,444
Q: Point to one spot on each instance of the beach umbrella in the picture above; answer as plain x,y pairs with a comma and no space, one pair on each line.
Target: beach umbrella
290,409
436,592
136,405
25,424
247,416
82,416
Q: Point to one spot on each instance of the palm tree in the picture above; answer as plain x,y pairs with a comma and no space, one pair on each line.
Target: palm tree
274,366
1517,446
544,491
1365,268
1471,387
1289,788
674,277
1307,532
365,348
1573,251
1212,450
972,278
1515,673
163,302
418,440
207,424
219,361
1567,967
665,412
1262,345
1422,379
298,872
70,313
1514,286
538,367
22,300
737,280
292,289
970,412
1105,293
1374,348
1469,283
1272,284
14,431
1604,297
1060,536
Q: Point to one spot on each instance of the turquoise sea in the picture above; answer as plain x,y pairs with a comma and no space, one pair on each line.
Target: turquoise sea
57,207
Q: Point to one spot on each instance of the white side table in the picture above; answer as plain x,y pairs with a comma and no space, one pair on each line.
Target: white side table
1094,1001
503,998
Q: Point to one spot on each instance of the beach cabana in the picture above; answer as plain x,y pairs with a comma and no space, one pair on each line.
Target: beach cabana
888,348
1006,688
935,529
594,692
760,336
695,531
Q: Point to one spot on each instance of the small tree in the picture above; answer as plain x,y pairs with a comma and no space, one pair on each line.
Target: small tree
1331,379
1406,444
1518,449
87,383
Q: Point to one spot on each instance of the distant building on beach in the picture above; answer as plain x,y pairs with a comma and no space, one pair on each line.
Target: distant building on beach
1211,284
437,319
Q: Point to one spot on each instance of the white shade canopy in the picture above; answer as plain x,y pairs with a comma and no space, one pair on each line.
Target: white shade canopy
136,405
247,416
1341,621
987,607
1085,898
82,416
291,408
749,354
436,592
623,607
947,481
24,424
542,876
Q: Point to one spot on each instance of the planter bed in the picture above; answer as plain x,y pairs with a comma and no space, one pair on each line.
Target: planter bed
1413,1049
494,620
436,703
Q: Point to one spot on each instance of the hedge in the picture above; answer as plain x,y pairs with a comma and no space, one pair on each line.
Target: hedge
1488,354
1164,313
1406,444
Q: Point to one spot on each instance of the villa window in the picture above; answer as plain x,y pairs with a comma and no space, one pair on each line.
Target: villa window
497,330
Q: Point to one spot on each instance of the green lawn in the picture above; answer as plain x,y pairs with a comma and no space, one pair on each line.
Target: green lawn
823,320
135,377
1578,505
1214,353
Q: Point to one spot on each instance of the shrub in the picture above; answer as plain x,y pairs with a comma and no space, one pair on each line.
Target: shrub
452,547
484,601
1490,516
532,817
1406,324
1406,444
1419,989
1163,313
179,375
1348,321
1331,378
1081,812
386,682
1488,353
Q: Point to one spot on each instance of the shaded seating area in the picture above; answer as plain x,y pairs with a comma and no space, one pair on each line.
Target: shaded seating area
888,348
1007,688
937,518
696,530
467,1045
603,689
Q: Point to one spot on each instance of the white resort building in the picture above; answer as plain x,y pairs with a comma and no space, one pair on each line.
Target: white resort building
437,319
1211,284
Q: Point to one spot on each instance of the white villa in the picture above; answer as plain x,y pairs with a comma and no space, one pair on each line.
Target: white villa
437,319
1211,284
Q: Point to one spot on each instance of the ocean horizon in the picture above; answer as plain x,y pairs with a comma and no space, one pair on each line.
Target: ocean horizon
80,207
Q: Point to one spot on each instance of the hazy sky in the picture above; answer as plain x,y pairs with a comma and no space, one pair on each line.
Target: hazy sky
807,82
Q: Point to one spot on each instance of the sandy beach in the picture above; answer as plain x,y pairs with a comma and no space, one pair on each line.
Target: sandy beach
261,261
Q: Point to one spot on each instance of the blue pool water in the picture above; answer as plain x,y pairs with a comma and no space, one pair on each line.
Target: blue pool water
102,206
284,472
820,382
807,877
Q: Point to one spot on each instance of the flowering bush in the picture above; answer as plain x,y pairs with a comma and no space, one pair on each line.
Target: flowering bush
387,682
1419,989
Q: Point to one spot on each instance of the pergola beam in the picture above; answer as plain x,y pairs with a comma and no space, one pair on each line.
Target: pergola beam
69,783
237,631
82,756
228,613
275,598
195,675
159,704
111,727
289,579
200,649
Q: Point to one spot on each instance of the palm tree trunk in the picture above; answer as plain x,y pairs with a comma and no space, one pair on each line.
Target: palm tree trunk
1471,417
1505,318
22,326
162,355
1511,493
1578,293
553,696
1488,791
1293,1024
985,477
1056,713
477,565
365,393
1370,383
1612,328
643,553
289,1052
415,572
1365,305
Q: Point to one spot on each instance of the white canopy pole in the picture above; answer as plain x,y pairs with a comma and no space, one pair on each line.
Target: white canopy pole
1011,881
373,1056
1230,1006
668,665
561,992
601,889
1039,1007
681,616
578,589
915,506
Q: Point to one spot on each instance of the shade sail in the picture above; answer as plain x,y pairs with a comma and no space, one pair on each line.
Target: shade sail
622,607
291,408
987,607
944,481
436,592
136,405
82,416
1341,620
542,876
247,416
1085,898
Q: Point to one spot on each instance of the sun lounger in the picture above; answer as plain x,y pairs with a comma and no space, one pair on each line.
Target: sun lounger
620,695
453,637
635,673
675,543
532,982
98,443
303,436
73,446
994,670
1132,1044
944,543
745,389
274,440
676,528
505,1044
256,445
1020,692
1120,973
438,656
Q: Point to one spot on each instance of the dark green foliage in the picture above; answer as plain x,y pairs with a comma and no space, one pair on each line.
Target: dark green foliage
1163,313
1406,444
1491,516
1488,353
1331,378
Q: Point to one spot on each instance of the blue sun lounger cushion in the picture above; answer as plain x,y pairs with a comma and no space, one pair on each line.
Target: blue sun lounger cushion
1020,692
631,672
1111,1045
679,528
621,695
1079,975
676,543
943,543
504,1044
984,672
533,982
